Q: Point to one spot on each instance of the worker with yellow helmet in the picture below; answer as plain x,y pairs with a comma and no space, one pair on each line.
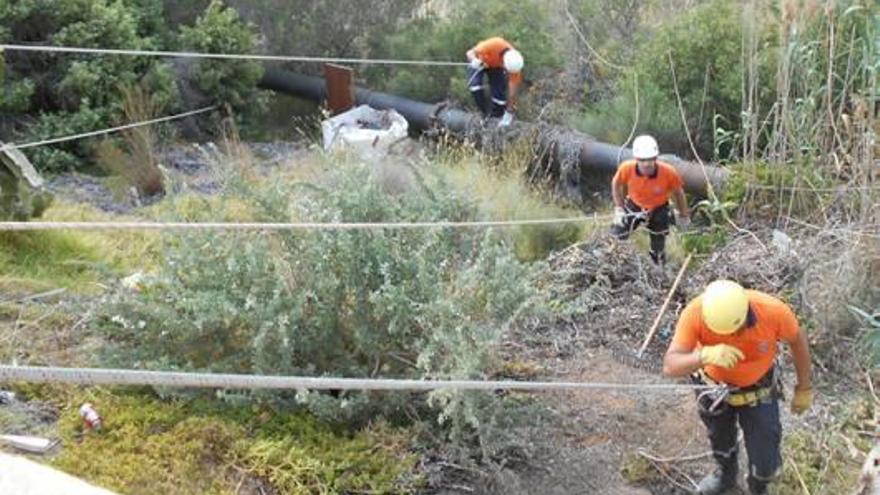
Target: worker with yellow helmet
727,337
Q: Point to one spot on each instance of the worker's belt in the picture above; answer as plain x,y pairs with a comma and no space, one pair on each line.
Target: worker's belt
637,212
739,399
763,389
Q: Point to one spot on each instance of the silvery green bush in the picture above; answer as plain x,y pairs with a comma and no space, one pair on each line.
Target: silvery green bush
395,303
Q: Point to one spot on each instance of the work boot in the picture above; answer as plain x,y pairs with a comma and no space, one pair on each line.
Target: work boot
757,487
658,257
716,484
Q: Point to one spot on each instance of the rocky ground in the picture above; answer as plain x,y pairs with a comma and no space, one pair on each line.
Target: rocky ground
190,166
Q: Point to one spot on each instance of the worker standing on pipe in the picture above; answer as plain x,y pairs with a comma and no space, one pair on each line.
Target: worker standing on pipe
502,64
641,189
727,337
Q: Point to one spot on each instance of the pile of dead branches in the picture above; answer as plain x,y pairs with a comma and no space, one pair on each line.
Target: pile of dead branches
606,293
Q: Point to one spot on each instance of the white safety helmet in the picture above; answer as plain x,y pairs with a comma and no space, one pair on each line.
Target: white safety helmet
513,61
645,148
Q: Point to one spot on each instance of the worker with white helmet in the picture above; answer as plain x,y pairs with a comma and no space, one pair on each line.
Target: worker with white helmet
727,338
641,189
502,64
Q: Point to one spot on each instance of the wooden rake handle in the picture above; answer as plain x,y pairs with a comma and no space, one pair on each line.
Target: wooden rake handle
665,305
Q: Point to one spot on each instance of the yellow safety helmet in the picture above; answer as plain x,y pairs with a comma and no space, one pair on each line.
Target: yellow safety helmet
725,306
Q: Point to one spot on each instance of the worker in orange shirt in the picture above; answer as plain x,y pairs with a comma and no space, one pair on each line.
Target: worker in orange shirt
502,64
641,189
727,338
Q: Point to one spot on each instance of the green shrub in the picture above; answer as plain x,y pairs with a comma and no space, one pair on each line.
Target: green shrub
755,186
220,30
393,303
64,156
706,241
15,96
77,93
611,120
705,45
826,81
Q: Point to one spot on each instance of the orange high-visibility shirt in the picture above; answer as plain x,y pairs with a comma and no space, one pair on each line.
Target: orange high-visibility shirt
770,321
648,191
491,52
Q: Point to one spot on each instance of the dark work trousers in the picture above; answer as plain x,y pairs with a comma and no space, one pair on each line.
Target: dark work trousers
497,87
658,221
762,432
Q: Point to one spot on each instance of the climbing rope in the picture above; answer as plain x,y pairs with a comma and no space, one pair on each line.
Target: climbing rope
12,146
22,226
95,376
229,56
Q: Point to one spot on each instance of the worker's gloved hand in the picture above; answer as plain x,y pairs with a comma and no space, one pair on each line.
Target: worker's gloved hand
683,222
506,120
723,355
802,400
476,63
619,215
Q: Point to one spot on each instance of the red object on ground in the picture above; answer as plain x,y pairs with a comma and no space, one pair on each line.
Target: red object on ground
91,418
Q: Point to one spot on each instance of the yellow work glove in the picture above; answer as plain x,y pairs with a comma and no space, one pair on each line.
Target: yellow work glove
723,355
802,400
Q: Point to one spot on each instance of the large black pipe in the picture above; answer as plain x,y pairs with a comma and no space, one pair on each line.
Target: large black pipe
571,157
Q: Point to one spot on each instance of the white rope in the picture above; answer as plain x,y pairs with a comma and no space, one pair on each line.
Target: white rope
840,188
63,139
229,56
583,38
21,226
93,376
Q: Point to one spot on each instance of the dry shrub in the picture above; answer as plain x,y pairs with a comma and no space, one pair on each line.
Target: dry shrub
609,292
842,274
133,163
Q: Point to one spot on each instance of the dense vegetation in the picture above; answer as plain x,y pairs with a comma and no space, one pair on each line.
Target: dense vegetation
783,95
410,303
49,95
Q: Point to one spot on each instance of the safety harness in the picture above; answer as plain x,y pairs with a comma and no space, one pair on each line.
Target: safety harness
768,387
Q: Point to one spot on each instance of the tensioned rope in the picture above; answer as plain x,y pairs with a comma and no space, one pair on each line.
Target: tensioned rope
96,376
229,56
12,146
841,188
22,226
